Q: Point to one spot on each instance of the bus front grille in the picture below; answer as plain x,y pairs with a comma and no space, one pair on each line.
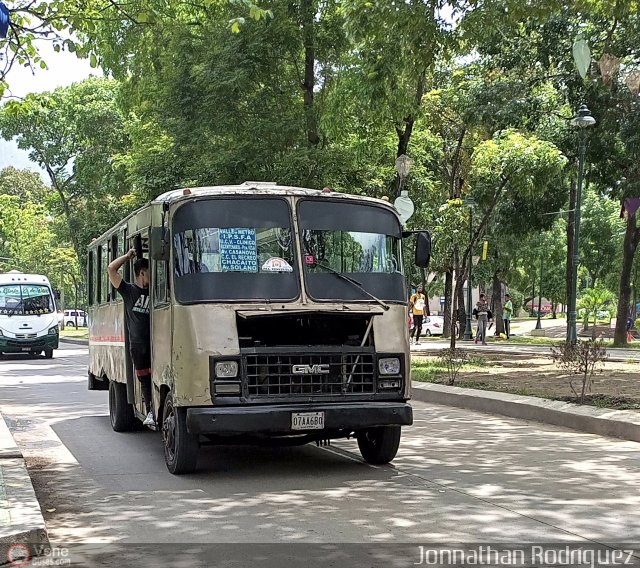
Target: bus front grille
308,374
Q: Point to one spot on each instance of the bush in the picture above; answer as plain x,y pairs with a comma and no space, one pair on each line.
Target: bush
582,360
453,360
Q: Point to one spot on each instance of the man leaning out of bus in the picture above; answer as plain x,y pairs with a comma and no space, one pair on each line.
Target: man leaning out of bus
136,311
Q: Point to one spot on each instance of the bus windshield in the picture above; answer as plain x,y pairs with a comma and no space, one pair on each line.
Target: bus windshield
234,250
25,299
358,240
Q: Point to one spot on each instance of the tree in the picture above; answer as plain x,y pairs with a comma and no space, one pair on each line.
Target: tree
594,300
26,185
510,176
601,233
26,238
74,134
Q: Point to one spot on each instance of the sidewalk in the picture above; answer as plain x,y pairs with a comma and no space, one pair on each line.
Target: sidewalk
623,424
23,533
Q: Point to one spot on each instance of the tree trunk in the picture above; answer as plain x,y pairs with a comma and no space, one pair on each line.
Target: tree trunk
448,285
630,244
404,134
425,283
554,307
462,312
496,300
309,37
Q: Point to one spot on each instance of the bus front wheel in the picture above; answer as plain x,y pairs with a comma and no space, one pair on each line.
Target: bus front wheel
180,447
120,411
379,445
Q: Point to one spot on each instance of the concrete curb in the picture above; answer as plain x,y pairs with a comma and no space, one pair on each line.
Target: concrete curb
22,528
623,424
75,341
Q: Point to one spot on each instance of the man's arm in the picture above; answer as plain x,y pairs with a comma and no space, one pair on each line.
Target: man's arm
112,269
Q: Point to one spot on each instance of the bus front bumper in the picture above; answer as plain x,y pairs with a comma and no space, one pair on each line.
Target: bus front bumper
278,419
11,345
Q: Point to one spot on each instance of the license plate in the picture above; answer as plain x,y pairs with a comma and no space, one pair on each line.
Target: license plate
307,420
26,348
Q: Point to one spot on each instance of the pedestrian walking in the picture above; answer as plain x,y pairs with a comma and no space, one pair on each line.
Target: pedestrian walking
507,312
416,307
482,308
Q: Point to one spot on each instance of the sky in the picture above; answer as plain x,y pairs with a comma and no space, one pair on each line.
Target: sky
64,69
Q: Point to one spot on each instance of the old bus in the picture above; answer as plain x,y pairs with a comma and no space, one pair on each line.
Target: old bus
28,318
277,314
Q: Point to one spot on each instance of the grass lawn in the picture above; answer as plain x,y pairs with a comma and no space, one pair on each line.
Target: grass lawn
617,386
80,333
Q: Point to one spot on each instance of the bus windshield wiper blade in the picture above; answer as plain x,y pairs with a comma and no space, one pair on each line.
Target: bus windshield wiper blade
13,310
353,282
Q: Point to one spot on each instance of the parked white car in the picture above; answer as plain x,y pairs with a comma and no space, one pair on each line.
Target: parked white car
75,318
433,325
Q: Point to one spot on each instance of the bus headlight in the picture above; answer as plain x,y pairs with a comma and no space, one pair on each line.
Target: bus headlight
389,366
53,330
226,369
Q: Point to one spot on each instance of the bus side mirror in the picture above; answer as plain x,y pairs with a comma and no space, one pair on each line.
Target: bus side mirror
423,249
159,243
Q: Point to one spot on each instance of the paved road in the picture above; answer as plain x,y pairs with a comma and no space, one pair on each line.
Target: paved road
459,477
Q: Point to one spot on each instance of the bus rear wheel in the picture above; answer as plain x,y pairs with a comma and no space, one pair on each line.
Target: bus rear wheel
180,447
379,445
120,411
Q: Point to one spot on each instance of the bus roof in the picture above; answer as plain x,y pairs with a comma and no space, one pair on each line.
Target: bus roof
248,187
259,188
15,277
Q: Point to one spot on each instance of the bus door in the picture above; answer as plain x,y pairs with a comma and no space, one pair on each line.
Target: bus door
140,242
161,324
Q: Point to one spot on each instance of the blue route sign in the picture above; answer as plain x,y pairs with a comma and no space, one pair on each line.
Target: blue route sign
238,250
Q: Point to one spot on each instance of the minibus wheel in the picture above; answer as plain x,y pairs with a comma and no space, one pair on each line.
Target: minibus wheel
120,411
379,445
180,447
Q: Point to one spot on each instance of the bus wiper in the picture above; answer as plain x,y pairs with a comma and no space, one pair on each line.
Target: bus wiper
13,310
353,282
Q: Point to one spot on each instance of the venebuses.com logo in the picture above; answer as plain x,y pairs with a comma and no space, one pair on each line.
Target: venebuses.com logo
36,555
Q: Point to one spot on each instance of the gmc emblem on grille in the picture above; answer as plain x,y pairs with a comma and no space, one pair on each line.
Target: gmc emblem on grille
320,369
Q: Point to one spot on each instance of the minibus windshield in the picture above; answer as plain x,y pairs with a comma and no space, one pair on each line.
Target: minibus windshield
240,249
25,299
361,241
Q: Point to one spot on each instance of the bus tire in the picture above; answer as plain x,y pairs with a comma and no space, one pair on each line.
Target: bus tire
120,411
48,353
379,445
180,447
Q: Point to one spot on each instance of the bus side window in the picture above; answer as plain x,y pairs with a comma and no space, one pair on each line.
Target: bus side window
160,282
90,276
99,277
115,253
104,277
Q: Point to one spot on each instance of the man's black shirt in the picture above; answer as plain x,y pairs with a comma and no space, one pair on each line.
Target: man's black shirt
136,311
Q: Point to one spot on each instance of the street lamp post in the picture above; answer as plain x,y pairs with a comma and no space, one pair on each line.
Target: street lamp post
470,203
582,121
